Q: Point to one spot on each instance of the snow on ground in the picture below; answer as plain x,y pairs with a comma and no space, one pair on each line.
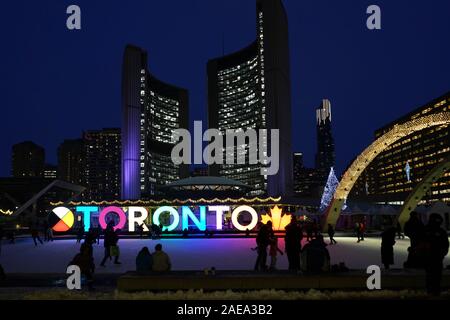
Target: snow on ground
186,254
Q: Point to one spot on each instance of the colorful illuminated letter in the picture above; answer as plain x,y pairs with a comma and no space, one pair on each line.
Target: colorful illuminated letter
220,210
133,219
200,223
116,210
87,211
173,212
235,216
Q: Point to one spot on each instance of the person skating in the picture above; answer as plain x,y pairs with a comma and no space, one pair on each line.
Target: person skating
358,231
45,227
115,250
80,233
110,240
362,230
273,252
309,231
90,237
331,233
400,234
35,235
98,234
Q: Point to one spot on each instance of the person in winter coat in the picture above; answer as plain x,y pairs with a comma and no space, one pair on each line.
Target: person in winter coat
387,247
144,260
293,244
436,248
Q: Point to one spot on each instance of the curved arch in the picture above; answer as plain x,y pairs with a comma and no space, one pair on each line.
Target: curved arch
370,153
421,190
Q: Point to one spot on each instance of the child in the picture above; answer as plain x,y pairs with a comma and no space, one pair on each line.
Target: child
273,251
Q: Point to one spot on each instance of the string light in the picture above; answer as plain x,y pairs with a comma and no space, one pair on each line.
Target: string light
174,201
6,212
421,190
378,146
398,132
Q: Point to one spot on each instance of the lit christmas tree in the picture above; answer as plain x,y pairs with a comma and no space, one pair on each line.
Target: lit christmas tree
329,190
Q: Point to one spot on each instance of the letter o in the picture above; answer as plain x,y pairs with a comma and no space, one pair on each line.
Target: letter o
172,211
116,210
235,215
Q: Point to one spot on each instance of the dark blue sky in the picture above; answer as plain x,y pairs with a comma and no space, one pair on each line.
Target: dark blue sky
56,83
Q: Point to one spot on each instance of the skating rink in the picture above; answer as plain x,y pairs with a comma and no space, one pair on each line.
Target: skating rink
186,254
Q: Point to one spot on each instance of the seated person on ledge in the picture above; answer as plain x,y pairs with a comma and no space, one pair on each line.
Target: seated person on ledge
144,261
315,257
161,261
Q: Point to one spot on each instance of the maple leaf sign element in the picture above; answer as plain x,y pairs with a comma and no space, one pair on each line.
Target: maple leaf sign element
279,220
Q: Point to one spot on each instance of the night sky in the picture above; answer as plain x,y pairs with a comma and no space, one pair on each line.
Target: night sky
55,83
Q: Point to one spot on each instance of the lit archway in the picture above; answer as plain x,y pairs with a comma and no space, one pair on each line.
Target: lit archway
369,154
421,190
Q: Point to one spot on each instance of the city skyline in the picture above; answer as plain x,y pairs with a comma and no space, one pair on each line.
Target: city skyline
371,81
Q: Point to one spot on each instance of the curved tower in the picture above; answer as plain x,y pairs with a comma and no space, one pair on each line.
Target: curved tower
251,89
151,110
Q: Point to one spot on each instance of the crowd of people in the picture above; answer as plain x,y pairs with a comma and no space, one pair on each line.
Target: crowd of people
428,247
312,258
158,261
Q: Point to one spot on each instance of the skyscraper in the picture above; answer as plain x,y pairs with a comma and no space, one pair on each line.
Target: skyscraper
28,160
71,161
250,89
298,166
305,179
151,110
325,157
102,155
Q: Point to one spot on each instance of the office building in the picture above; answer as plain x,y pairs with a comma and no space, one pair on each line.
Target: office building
28,160
71,161
102,159
250,89
297,171
50,172
325,156
306,180
386,179
151,110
